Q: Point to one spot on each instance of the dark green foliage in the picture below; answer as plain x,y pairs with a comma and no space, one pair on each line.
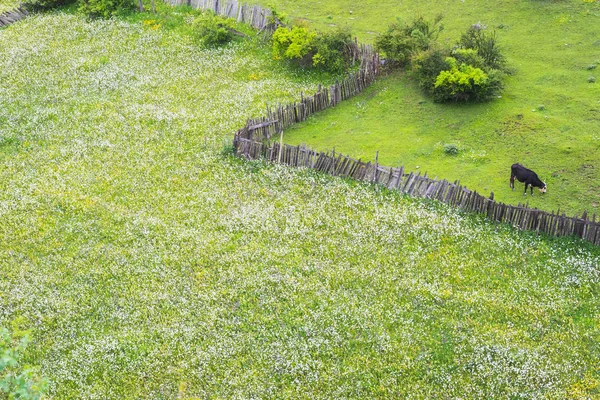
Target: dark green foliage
332,54
451,149
401,41
424,32
213,30
427,65
469,57
324,51
395,46
40,5
485,45
228,150
104,8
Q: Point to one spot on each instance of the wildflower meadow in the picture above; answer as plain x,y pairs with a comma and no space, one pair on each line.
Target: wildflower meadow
8,5
146,261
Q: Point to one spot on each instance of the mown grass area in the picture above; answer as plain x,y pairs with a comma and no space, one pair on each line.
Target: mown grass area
149,263
8,5
547,118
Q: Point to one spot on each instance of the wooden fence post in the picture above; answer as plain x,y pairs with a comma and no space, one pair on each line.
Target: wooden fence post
375,175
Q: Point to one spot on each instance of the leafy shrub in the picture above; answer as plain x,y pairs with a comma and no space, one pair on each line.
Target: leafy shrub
473,71
40,5
470,57
463,82
213,30
104,8
592,79
332,52
401,41
427,65
17,381
485,45
451,149
296,43
326,51
396,46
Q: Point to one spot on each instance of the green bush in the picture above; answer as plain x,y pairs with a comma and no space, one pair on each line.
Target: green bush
104,8
40,5
485,45
395,46
473,71
332,54
16,380
470,57
401,41
427,65
325,51
296,43
463,82
451,149
213,30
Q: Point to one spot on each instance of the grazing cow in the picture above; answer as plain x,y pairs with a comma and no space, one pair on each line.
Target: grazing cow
527,176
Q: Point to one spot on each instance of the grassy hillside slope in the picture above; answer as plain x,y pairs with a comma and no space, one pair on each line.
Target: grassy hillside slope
548,117
148,264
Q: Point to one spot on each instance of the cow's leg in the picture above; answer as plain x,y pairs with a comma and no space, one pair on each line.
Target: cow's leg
512,181
525,192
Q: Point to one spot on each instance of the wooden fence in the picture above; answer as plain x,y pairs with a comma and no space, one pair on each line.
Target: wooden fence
417,185
281,117
254,15
13,16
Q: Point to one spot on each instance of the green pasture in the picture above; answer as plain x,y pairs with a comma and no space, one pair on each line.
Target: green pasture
8,5
548,117
148,262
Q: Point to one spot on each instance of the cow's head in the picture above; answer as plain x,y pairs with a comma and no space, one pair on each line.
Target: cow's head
543,188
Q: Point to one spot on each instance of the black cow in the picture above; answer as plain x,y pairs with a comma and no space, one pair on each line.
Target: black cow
525,175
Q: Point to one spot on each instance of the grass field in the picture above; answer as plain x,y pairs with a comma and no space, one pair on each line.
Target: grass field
7,5
149,263
548,117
